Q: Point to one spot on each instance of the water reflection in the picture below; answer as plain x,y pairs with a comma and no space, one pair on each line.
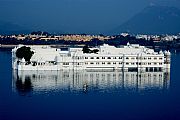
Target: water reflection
24,86
88,81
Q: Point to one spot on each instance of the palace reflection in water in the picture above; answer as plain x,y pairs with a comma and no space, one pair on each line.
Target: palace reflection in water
88,81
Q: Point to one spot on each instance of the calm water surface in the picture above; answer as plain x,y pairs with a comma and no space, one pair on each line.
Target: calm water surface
82,95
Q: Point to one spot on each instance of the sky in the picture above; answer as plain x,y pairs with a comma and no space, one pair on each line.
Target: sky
74,16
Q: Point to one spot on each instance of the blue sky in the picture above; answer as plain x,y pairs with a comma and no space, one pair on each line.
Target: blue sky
74,16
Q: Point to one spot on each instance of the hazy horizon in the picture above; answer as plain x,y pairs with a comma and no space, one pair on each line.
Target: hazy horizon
74,16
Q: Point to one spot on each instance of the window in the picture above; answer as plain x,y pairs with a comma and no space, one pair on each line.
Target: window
120,63
103,57
155,58
97,63
155,63
127,58
132,63
91,63
114,63
103,62
108,63
114,57
132,58
86,63
120,57
92,57
127,63
160,58
109,58
97,57
34,63
149,63
65,63
149,58
86,57
160,63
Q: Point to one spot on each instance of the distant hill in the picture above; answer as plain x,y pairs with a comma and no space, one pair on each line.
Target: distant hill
7,28
153,20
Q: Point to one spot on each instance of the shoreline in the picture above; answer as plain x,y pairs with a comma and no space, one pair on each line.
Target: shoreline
3,46
53,45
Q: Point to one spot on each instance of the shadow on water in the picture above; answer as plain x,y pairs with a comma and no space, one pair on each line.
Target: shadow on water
80,82
24,86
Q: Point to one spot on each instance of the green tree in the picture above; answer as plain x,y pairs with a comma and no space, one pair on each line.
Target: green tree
95,51
86,49
24,52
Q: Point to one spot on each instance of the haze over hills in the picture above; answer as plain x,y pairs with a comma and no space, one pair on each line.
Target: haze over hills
153,20
7,28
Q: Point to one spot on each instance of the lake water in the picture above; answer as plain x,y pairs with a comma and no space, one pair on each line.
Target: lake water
83,95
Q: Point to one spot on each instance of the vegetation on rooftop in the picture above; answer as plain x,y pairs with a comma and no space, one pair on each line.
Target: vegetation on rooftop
24,52
87,50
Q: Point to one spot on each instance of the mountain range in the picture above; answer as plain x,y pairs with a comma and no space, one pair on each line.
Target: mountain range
152,20
7,28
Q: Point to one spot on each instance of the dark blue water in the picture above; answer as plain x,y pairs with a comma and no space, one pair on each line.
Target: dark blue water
82,95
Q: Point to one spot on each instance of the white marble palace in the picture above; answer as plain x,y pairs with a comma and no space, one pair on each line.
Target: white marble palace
131,57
